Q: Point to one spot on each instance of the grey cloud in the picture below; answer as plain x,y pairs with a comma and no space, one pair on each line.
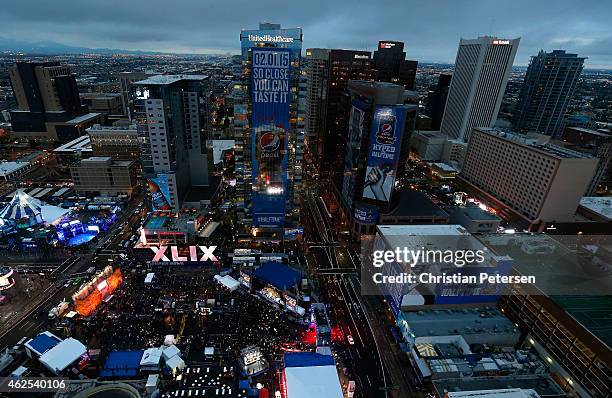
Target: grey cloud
431,30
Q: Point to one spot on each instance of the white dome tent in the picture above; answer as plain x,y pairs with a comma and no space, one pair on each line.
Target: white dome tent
24,210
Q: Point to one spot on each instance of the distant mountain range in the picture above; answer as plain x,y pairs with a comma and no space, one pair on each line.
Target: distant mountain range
49,47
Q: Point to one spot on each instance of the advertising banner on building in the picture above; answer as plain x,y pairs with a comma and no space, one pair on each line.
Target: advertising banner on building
351,158
271,96
294,233
159,189
366,214
383,155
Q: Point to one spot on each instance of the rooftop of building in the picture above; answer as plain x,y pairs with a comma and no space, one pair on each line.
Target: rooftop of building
84,118
414,203
100,95
422,230
543,385
432,134
169,79
600,132
444,167
79,144
474,213
593,312
463,321
199,193
602,205
99,129
537,143
94,160
10,167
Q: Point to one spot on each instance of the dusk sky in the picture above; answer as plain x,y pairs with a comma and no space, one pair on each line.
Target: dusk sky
430,29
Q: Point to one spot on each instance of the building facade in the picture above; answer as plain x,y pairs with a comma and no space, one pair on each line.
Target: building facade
119,143
328,72
46,93
375,147
482,69
268,137
392,66
172,117
103,175
527,177
548,87
436,100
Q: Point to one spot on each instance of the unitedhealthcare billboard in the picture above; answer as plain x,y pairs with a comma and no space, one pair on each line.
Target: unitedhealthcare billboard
384,151
271,96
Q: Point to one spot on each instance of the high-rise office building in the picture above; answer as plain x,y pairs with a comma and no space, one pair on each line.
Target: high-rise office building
46,93
527,177
392,66
328,72
172,114
482,69
548,87
269,142
436,100
380,123
126,79
597,143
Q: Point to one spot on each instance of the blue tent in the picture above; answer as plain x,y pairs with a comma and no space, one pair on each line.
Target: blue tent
278,275
122,364
302,359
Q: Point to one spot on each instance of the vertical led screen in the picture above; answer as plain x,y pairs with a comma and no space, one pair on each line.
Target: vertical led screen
160,193
351,159
271,96
385,144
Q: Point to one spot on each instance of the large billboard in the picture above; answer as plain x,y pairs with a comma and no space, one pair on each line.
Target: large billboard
271,96
383,155
355,134
159,189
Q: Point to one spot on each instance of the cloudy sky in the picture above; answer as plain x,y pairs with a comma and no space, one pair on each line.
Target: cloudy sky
430,28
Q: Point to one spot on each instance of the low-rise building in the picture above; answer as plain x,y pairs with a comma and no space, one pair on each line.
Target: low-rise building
73,151
474,219
117,142
107,103
104,175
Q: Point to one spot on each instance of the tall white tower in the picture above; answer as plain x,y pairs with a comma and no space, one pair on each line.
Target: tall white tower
481,73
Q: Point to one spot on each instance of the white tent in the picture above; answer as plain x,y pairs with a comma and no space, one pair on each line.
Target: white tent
175,363
171,351
24,209
169,340
309,374
151,358
227,281
58,358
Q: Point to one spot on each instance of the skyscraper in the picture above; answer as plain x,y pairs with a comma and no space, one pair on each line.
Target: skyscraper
392,66
548,87
328,72
172,113
380,123
269,147
437,100
46,93
477,87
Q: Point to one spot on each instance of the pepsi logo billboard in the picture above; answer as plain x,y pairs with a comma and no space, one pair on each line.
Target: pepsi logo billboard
269,142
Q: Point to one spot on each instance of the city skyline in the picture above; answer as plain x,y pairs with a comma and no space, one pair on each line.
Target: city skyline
431,32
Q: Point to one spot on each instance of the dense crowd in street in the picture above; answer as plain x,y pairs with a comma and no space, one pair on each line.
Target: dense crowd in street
192,306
